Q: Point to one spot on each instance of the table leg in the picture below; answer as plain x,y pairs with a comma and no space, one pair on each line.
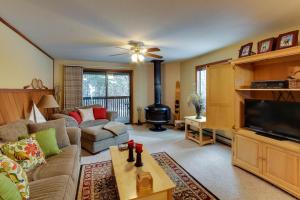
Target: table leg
186,130
170,194
201,135
214,135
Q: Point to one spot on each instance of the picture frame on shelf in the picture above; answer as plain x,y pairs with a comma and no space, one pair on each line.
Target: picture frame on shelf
246,50
266,45
287,40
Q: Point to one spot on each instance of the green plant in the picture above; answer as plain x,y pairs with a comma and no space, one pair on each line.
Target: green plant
196,100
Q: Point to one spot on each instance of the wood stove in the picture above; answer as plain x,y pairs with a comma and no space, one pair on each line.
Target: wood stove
157,113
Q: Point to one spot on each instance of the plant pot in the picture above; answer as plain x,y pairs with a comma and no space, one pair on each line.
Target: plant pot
198,116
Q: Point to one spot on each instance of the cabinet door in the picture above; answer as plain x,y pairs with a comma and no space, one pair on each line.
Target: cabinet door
247,153
281,167
220,96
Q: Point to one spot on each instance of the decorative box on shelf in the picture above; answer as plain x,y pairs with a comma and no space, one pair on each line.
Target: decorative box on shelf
294,83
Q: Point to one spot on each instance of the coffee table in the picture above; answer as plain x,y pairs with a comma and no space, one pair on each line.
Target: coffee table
125,174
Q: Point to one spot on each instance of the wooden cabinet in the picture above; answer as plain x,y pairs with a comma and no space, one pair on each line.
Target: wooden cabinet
275,161
281,167
248,153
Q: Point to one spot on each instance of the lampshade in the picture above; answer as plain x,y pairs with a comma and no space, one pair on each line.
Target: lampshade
48,101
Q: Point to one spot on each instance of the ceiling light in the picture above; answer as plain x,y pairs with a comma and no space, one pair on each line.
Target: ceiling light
141,58
134,57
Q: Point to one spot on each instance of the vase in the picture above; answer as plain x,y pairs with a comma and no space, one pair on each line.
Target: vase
198,116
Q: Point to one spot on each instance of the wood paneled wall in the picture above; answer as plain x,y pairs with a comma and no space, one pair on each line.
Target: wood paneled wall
16,103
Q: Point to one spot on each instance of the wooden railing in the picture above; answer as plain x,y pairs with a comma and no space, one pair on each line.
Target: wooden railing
120,104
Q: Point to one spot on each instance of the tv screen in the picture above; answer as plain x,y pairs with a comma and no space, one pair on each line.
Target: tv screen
273,118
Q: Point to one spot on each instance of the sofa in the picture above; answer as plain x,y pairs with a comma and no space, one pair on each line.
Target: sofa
93,137
58,178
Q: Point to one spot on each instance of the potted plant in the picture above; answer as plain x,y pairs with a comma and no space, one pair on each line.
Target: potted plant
196,100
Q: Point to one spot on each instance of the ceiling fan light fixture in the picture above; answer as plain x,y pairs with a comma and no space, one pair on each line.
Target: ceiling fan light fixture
134,58
141,58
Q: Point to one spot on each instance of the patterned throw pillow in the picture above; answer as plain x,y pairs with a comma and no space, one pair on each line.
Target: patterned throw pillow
16,174
26,152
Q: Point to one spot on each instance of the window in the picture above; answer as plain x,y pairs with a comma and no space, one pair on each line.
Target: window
201,83
110,90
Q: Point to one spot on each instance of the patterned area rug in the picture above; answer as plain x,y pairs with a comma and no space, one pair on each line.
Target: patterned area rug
98,183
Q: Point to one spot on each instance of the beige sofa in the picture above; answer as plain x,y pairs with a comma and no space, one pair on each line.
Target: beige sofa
58,178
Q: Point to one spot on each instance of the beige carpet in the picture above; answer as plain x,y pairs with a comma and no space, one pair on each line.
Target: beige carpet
210,165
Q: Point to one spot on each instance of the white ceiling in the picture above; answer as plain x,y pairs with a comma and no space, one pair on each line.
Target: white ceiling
89,29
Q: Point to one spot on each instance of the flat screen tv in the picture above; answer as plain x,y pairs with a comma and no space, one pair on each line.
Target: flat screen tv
280,120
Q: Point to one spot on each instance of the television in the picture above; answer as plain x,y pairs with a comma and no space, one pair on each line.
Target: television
276,119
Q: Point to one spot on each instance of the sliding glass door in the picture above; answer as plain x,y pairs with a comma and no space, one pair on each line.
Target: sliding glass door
110,89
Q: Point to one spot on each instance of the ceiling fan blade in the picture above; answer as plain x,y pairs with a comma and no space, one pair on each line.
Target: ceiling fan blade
119,54
153,49
151,55
123,48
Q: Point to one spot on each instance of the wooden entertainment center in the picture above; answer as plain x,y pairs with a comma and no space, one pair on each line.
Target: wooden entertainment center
276,161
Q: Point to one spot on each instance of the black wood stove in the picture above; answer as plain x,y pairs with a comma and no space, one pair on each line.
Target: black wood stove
157,113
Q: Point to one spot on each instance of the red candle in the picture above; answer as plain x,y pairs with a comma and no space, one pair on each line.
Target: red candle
131,144
139,148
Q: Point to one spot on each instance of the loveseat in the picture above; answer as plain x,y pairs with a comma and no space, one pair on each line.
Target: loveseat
93,137
58,178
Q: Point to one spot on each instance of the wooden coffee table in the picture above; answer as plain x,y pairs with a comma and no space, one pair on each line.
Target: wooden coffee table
126,172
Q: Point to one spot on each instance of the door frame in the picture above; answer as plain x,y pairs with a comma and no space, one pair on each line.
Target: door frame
130,72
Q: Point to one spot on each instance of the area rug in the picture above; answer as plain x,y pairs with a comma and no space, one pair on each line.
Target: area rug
98,183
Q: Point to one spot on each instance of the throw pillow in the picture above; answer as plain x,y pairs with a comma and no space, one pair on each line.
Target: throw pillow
76,116
11,131
60,130
87,114
16,174
47,141
26,152
8,190
99,113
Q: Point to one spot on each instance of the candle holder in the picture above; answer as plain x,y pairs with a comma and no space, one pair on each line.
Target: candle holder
138,162
130,151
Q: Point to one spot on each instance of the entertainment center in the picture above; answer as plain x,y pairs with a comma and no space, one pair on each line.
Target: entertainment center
276,161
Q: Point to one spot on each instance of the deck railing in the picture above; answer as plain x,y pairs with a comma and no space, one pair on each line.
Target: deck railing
120,104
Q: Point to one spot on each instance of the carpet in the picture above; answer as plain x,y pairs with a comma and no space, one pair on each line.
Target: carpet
98,183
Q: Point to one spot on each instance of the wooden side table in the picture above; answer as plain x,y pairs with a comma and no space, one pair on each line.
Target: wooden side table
197,134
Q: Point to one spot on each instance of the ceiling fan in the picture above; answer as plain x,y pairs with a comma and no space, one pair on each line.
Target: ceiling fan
138,51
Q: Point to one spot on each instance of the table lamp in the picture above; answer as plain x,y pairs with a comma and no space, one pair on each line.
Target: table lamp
47,102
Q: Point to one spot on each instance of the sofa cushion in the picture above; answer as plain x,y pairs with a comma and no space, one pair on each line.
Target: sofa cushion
99,113
60,127
65,163
16,174
26,152
91,123
76,115
95,133
86,114
70,121
53,188
10,132
47,140
8,190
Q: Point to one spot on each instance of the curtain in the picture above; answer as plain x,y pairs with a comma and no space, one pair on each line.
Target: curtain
72,86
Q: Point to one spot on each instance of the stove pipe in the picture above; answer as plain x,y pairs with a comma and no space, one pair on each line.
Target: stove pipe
157,81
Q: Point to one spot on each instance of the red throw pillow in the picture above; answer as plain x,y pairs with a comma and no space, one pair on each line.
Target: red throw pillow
99,113
76,115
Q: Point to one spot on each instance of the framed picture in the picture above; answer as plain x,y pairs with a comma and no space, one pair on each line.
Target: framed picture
287,40
266,45
246,50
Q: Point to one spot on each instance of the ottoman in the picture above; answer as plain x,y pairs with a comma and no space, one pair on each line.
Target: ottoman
95,139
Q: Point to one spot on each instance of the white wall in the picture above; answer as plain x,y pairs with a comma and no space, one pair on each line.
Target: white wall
20,61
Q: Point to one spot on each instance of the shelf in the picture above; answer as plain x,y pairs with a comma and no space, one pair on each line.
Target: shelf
280,90
278,54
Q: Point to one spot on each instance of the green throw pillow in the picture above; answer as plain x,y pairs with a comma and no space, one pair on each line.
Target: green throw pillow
8,190
47,141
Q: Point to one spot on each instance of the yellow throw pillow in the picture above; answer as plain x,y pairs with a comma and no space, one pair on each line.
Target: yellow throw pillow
26,152
16,174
